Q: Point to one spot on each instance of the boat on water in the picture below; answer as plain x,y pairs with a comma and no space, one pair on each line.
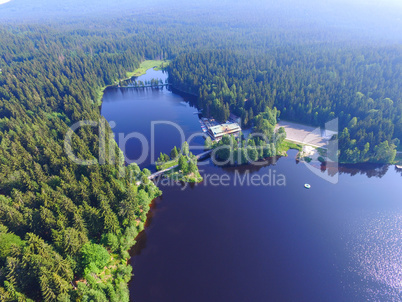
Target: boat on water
307,186
398,166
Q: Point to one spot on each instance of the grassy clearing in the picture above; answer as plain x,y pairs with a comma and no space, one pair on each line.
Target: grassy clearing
144,66
286,145
177,175
147,64
100,95
168,164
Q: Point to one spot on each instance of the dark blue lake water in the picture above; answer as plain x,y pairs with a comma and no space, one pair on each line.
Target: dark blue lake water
264,240
155,118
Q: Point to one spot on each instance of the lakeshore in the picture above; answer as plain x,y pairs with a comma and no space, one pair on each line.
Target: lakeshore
289,238
141,70
303,134
281,216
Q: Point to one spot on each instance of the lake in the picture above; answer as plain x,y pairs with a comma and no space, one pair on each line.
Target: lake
157,115
259,235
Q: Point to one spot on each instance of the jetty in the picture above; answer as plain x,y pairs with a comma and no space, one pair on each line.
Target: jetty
144,86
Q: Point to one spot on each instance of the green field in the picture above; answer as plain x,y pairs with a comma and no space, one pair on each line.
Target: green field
144,66
168,164
147,64
177,175
286,145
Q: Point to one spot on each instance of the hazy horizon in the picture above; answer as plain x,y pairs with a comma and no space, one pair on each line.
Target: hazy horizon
366,19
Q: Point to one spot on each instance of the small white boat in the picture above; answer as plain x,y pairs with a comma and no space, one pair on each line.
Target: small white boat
307,186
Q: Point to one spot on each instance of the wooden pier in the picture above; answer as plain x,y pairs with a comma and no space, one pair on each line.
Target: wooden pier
144,86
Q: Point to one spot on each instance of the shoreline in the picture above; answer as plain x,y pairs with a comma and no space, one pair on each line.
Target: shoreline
182,91
137,244
125,259
141,70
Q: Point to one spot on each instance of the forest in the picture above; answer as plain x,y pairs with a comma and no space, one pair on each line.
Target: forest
264,142
313,86
65,229
186,162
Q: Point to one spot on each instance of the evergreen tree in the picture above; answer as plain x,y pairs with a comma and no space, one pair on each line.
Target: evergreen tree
183,165
174,153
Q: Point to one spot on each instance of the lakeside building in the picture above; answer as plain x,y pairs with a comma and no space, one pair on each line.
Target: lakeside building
216,132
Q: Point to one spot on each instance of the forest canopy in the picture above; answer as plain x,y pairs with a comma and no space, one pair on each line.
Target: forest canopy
65,229
309,85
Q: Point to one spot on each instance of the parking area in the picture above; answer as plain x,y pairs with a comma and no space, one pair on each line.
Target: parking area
303,134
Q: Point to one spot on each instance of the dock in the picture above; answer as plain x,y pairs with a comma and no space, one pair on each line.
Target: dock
144,86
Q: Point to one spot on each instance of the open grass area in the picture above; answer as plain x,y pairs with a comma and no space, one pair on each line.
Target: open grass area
177,175
168,164
144,66
286,145
147,64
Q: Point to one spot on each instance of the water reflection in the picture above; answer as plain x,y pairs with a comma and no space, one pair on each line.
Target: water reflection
369,170
375,247
263,243
251,168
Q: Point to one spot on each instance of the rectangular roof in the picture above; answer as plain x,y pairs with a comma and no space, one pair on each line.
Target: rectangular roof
226,128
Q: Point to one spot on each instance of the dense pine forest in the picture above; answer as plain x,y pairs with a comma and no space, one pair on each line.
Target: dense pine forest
65,229
311,85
